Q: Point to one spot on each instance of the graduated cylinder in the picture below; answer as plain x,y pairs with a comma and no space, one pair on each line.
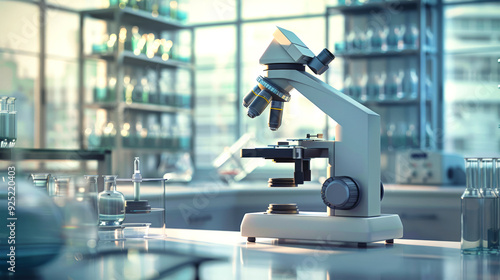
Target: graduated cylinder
480,207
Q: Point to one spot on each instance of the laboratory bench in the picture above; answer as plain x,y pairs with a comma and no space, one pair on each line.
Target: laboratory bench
427,212
188,254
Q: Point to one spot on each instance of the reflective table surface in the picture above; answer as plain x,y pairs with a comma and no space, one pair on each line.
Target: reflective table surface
227,255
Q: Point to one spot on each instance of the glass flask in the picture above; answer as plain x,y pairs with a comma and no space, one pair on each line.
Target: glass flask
471,210
394,38
410,37
394,86
12,132
111,203
490,203
4,122
374,86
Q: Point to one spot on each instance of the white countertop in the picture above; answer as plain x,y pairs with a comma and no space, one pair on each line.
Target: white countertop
272,259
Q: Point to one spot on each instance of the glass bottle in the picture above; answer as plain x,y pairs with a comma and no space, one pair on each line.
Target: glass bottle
471,210
12,133
490,204
111,203
4,122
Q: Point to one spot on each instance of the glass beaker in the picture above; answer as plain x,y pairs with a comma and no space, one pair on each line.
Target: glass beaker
111,203
41,182
12,131
80,221
471,210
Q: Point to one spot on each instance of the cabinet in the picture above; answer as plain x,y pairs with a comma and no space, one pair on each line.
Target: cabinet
391,55
136,88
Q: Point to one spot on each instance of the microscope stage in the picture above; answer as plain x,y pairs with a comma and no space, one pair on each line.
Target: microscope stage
321,227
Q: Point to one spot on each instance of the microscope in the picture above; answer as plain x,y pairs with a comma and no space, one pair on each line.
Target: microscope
353,191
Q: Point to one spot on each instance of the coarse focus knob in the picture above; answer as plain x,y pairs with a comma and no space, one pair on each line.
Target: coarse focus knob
340,193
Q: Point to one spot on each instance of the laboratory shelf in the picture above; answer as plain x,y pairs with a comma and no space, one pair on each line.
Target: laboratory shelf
384,54
146,211
401,102
53,154
139,107
128,57
135,17
381,5
102,156
121,63
420,64
155,108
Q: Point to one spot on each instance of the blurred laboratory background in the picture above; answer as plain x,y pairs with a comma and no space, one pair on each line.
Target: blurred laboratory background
164,80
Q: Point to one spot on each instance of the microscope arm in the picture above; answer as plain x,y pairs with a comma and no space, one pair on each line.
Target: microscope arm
357,143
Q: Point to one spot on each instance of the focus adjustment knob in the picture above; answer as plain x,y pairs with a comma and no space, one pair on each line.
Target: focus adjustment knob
340,193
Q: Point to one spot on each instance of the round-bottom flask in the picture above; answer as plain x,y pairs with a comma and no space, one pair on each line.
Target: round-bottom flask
111,203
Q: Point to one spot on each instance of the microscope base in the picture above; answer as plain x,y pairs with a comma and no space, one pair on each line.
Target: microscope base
321,227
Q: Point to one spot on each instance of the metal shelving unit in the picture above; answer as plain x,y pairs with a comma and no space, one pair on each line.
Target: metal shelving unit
427,56
118,109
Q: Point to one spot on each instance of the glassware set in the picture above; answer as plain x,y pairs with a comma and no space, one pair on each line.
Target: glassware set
174,9
90,215
379,86
8,123
151,45
480,217
147,86
143,130
380,39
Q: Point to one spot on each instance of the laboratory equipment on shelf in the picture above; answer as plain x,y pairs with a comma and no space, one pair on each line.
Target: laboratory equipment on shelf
137,205
352,192
426,167
111,203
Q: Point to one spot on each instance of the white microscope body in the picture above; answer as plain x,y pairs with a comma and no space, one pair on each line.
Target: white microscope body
353,192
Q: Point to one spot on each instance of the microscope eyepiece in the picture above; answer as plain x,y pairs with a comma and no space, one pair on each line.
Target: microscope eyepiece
319,64
259,103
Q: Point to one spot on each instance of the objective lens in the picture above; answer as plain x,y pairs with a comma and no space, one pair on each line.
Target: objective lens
276,114
259,104
247,100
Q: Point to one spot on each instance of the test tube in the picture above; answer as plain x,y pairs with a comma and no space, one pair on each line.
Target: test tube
471,210
12,133
490,204
4,122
